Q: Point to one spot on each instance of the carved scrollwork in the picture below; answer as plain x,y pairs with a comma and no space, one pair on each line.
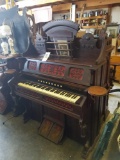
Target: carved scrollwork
88,41
102,34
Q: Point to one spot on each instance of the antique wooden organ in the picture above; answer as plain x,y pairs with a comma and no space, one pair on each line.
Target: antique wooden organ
56,90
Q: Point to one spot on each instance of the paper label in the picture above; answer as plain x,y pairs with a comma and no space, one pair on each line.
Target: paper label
46,56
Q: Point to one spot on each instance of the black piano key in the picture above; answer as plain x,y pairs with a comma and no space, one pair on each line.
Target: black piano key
25,83
57,91
74,96
62,93
68,95
43,87
34,85
38,86
48,88
52,90
30,84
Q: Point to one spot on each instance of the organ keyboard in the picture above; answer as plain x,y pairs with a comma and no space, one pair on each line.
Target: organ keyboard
51,91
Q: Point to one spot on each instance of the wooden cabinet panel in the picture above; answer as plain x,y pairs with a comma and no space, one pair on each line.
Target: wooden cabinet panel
116,59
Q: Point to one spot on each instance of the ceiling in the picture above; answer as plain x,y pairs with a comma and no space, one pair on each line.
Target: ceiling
2,2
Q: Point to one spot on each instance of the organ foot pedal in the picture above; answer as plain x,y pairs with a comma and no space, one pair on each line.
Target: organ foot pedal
51,130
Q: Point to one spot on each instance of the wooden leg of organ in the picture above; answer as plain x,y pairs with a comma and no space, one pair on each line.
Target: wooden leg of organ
95,94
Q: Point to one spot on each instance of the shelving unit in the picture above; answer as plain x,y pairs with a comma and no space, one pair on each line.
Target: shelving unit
93,22
61,10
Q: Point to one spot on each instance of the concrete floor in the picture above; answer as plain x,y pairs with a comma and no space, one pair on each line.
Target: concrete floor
19,141
112,152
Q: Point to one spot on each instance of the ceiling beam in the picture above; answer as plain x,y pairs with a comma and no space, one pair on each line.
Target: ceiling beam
36,3
62,7
89,3
93,3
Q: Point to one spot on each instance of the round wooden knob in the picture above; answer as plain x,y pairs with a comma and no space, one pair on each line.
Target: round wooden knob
97,91
10,71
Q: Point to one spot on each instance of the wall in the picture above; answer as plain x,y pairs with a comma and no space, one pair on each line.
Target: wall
2,2
60,16
115,15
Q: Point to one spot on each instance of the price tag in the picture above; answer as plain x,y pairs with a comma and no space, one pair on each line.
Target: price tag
46,56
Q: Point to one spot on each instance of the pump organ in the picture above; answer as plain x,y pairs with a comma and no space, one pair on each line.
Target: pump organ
59,85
